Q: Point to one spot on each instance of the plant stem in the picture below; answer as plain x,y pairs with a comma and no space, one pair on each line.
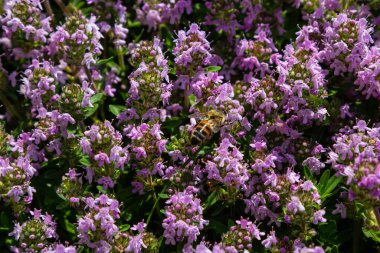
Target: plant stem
48,8
88,74
63,7
155,206
377,215
120,57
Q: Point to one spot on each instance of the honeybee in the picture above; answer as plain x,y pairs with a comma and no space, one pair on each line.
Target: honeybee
209,125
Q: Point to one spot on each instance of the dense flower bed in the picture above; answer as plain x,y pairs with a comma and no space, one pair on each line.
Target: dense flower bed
189,126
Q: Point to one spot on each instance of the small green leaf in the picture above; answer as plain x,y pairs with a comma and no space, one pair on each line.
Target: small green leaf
192,99
127,216
331,185
138,37
230,223
124,227
116,109
212,199
89,111
327,184
308,174
70,227
323,180
101,189
61,196
163,211
213,68
85,161
80,249
9,241
205,150
96,98
134,23
373,234
104,61
172,71
163,196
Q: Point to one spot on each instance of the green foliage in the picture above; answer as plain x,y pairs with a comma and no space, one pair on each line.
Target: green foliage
327,185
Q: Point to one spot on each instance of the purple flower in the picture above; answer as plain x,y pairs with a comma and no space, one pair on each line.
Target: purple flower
270,241
102,158
318,216
308,185
340,209
295,205
96,227
184,218
140,227
135,244
88,60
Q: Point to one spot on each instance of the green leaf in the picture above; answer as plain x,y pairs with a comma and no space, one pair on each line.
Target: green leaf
70,227
89,111
80,249
133,23
138,37
61,196
373,234
104,61
323,180
333,249
96,98
9,241
116,109
172,71
192,99
85,160
327,184
205,150
124,227
163,196
127,216
231,223
331,185
101,189
308,174
212,199
213,68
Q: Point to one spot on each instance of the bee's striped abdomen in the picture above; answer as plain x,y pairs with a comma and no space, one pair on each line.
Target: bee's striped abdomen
206,131
202,131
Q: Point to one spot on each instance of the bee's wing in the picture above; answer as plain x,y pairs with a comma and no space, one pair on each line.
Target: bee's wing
197,115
